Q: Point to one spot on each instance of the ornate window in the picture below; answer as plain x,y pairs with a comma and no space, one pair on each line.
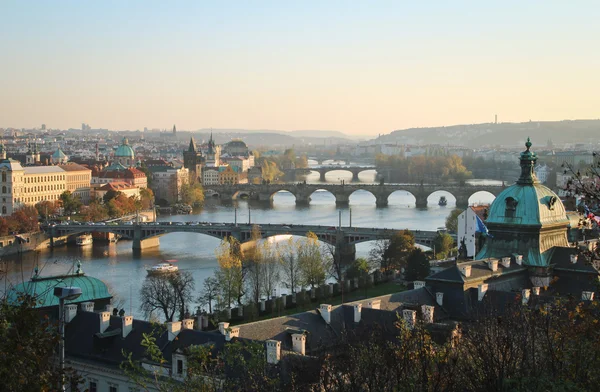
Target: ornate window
511,207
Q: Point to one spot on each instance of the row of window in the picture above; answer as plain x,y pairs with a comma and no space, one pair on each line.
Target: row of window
36,179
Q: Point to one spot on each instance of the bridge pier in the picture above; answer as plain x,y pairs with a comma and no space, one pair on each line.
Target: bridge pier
302,198
355,176
462,201
345,253
147,243
381,200
342,198
322,176
421,201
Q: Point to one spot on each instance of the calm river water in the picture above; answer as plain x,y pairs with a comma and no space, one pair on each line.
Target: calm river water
124,272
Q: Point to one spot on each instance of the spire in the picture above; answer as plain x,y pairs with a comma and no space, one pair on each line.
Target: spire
174,129
528,160
192,147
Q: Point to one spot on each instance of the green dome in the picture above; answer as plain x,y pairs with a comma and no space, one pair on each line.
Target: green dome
526,219
92,289
533,204
124,150
59,154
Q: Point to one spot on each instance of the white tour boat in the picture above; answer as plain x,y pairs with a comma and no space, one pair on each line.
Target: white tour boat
84,239
162,268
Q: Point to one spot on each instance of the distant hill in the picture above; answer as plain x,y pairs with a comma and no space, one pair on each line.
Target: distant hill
502,134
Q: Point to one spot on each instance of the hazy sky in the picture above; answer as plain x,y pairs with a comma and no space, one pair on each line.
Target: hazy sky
355,66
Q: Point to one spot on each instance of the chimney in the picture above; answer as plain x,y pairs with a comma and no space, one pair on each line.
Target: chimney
187,323
587,295
536,290
481,290
222,327
525,294
326,312
374,304
574,259
299,343
70,312
410,317
418,284
506,262
519,259
127,325
427,311
357,312
439,298
87,306
493,265
173,327
283,300
273,351
104,321
465,270
232,332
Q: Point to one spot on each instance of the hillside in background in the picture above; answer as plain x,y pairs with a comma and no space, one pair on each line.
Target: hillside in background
501,134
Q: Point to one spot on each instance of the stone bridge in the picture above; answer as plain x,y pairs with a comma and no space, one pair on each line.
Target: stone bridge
342,193
355,170
145,235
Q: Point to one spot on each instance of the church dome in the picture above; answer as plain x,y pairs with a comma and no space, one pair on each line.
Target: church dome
526,219
527,202
59,154
124,150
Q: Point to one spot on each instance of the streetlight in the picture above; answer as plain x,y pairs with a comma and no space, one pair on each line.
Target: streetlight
64,293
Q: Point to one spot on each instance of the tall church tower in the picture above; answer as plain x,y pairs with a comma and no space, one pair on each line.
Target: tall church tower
174,130
33,155
193,159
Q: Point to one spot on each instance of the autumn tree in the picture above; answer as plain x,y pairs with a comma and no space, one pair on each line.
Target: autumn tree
443,244
70,203
311,261
229,274
192,193
146,198
28,349
26,219
417,266
94,212
452,220
392,254
48,208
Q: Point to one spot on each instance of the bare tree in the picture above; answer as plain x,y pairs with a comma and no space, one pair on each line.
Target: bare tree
254,265
271,268
291,265
209,292
167,294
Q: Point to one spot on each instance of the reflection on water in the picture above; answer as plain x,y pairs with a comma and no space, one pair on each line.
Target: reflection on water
125,271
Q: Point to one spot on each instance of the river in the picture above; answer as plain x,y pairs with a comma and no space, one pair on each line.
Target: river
124,272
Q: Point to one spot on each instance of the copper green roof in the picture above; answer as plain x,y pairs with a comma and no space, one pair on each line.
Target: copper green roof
59,154
42,288
124,150
526,219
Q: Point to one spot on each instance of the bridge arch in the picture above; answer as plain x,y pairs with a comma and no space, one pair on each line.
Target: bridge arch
321,196
370,199
241,194
435,197
481,197
401,197
281,192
